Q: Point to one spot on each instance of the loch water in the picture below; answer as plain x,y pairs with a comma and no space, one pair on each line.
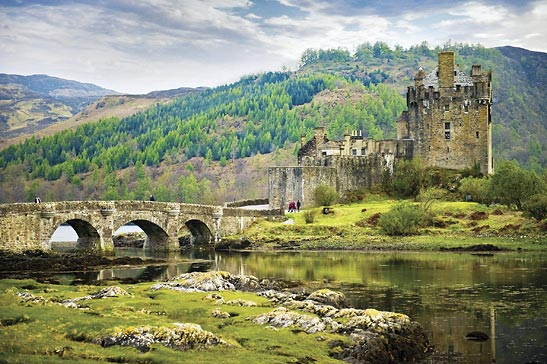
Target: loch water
476,308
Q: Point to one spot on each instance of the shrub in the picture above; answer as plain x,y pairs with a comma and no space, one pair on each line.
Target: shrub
325,195
410,177
403,219
476,189
426,199
513,185
536,207
309,216
355,196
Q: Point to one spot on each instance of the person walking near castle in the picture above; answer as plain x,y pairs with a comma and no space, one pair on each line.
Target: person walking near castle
298,204
292,206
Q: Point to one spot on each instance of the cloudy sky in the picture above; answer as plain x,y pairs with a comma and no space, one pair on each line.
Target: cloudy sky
136,46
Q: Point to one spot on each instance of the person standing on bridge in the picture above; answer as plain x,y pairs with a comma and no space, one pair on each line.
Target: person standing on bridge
37,199
152,198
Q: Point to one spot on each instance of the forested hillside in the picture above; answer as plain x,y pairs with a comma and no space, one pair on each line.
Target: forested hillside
215,145
257,115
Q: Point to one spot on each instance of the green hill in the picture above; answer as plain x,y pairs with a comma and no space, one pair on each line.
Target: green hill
214,145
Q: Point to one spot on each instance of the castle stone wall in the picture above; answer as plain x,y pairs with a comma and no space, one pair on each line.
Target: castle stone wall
344,173
287,184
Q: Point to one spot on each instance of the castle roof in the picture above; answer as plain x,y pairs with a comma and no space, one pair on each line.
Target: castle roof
460,78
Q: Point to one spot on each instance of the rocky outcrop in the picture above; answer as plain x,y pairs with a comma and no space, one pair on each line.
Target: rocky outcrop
106,292
328,297
376,336
183,336
215,281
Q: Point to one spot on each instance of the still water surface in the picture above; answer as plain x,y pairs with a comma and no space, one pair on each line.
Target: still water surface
502,295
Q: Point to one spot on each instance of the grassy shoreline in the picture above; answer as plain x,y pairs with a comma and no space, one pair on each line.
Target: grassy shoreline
456,225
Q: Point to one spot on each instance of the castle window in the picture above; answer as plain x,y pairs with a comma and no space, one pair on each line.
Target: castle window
363,151
324,154
354,152
458,88
448,149
477,134
447,131
466,108
446,107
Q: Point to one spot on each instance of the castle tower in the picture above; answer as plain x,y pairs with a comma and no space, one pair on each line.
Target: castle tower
449,117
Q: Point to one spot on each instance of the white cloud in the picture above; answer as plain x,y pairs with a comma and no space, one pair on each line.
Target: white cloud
140,46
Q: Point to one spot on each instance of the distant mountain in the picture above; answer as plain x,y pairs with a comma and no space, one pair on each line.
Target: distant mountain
55,87
40,105
29,103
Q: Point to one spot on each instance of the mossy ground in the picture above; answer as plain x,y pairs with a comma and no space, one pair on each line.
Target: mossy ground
46,332
354,226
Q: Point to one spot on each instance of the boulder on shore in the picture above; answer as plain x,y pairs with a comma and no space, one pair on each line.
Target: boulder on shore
181,337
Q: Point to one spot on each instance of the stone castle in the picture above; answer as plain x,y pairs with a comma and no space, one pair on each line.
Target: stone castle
448,125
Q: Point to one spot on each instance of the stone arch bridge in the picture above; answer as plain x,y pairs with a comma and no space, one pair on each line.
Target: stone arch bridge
27,226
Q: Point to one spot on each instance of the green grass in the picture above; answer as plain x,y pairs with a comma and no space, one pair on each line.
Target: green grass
349,227
45,332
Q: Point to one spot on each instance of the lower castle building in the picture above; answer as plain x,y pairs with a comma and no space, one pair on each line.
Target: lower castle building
447,124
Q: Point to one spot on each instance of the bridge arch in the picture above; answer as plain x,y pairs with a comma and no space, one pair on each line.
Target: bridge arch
156,237
200,232
88,236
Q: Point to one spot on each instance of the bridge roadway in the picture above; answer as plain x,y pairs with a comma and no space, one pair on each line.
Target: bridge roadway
26,226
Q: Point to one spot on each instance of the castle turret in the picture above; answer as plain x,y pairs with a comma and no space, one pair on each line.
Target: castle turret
449,117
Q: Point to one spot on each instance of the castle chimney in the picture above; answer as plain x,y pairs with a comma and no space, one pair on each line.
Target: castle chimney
476,70
319,139
419,78
446,69
320,134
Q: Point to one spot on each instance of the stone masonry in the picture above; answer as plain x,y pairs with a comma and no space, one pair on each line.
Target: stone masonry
449,117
